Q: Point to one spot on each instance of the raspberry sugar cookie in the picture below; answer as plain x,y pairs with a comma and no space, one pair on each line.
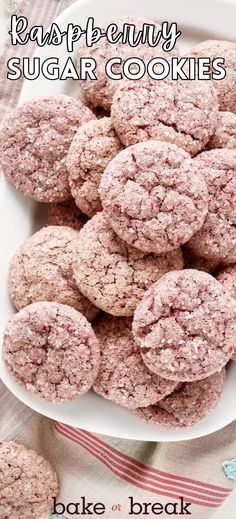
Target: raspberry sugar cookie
153,196
227,278
28,483
66,214
225,132
34,141
123,376
191,261
187,405
112,274
52,351
185,326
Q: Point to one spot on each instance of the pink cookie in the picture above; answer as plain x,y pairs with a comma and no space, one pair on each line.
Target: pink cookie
185,326
98,111
123,377
34,142
191,261
67,214
180,112
93,146
225,133
187,405
101,91
217,238
41,270
225,87
154,197
113,275
28,483
52,351
227,278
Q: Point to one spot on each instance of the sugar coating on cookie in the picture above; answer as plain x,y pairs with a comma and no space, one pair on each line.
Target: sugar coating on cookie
67,214
34,141
191,261
185,326
92,148
217,237
28,483
123,376
52,351
100,92
41,270
154,197
225,132
227,278
225,87
187,405
179,112
112,274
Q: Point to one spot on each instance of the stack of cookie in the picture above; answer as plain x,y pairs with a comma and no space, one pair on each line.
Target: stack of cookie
141,228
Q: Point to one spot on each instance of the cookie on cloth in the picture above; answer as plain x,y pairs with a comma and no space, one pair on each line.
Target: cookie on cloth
217,237
34,141
52,351
113,275
153,196
123,376
185,326
187,405
28,483
180,112
41,270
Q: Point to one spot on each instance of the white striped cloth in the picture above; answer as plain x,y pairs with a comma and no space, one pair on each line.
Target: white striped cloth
110,470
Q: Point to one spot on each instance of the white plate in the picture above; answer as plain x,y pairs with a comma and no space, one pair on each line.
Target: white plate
20,217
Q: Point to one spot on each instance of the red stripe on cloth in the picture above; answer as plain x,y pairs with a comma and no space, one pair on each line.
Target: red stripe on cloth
187,483
116,465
